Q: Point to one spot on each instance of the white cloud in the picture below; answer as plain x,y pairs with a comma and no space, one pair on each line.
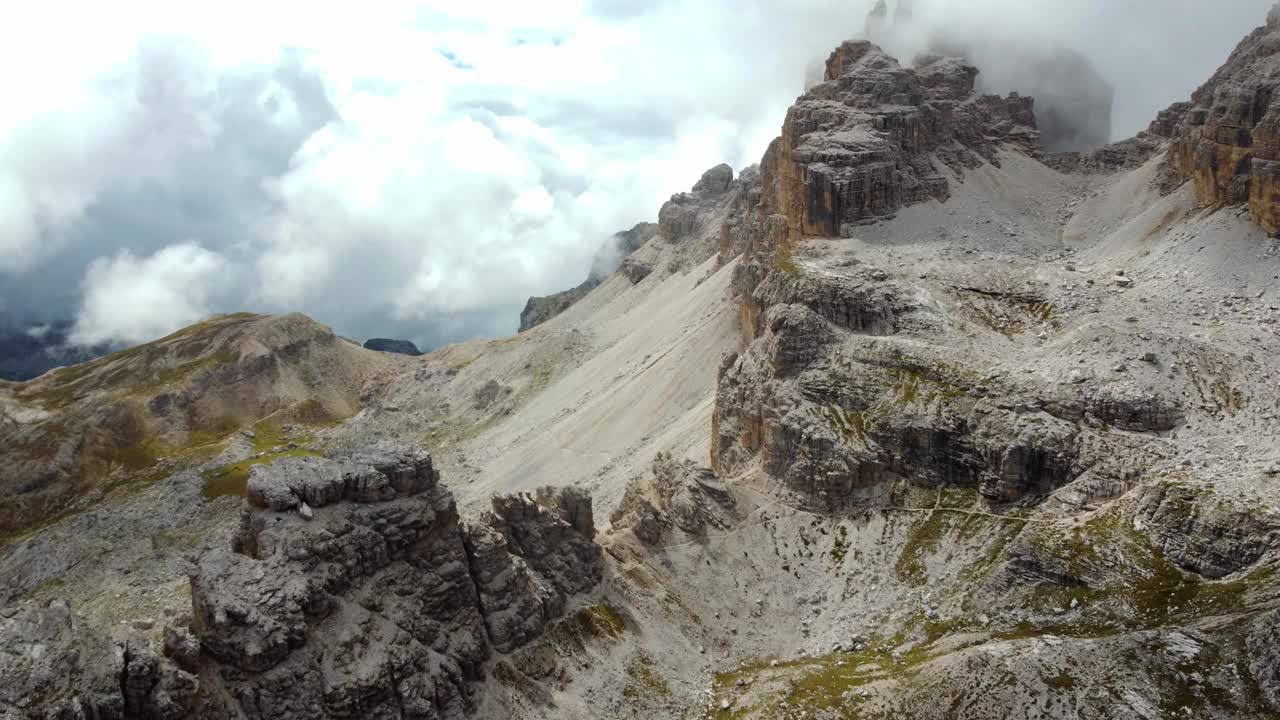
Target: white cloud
132,299
418,168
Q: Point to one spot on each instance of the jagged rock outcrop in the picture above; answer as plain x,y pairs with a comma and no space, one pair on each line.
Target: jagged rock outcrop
1263,641
54,666
862,144
681,216
678,495
611,255
859,146
352,589
1073,100
400,347
1227,139
1201,535
825,409
355,588
1124,155
539,309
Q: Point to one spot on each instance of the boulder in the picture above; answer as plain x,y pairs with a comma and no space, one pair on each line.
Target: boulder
678,494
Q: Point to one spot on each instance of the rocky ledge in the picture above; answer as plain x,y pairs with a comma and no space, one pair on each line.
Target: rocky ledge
352,589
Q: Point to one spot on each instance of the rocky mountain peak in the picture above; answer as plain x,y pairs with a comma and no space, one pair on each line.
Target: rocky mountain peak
715,181
862,144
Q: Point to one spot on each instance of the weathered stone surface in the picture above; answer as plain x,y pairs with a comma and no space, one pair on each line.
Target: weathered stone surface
681,216
1123,155
383,604
1207,538
858,145
364,477
553,548
1227,140
797,337
677,495
572,505
1264,638
518,605
53,666
863,300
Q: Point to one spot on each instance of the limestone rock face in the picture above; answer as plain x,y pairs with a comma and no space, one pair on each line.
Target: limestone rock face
1073,101
1124,155
679,495
611,255
540,309
862,144
382,603
1264,639
1227,140
679,217
859,146
53,666
1209,539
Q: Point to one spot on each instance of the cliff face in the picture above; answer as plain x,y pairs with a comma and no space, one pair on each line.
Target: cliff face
351,589
869,140
1227,139
862,144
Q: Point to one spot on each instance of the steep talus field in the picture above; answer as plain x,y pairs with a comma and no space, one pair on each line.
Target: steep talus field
911,420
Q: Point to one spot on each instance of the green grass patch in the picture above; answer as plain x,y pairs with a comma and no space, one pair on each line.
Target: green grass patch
602,620
1061,682
922,539
233,479
840,545
784,262
644,682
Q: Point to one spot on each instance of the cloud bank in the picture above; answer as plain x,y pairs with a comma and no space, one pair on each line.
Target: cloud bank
420,168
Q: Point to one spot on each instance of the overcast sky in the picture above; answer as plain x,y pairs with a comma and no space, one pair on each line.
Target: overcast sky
417,169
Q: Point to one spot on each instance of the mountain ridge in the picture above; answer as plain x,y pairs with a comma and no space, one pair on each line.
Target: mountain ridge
910,420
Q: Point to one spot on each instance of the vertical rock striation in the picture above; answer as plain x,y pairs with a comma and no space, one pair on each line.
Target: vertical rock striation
1227,139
